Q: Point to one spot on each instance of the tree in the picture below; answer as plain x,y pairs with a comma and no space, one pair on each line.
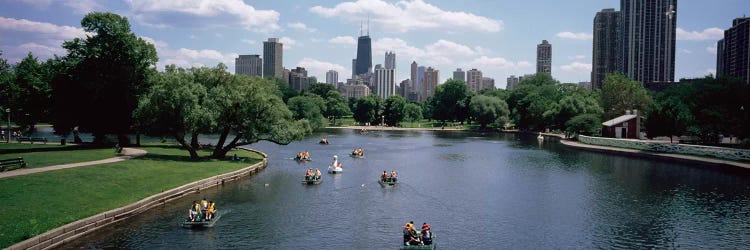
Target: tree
31,92
620,93
532,98
109,71
309,107
489,109
585,124
412,112
336,105
574,102
320,89
6,80
394,110
668,116
242,110
450,100
366,109
285,92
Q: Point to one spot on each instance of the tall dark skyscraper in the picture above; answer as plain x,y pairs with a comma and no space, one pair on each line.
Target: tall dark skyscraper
733,52
606,37
364,55
647,29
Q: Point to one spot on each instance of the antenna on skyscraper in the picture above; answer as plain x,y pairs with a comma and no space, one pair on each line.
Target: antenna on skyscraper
360,28
368,24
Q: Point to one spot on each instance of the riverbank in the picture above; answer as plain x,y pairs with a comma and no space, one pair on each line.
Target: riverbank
61,205
382,128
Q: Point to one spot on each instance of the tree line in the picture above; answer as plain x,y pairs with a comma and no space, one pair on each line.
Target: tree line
107,84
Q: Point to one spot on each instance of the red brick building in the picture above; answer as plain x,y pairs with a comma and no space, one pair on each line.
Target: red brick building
625,126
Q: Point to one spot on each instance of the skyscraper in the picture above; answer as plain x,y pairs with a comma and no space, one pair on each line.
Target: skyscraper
474,80
606,36
647,30
430,81
511,82
273,58
544,57
733,54
364,55
390,60
488,83
298,79
251,65
332,77
385,82
459,75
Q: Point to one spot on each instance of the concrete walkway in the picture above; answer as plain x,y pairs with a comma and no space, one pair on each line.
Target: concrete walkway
673,157
127,153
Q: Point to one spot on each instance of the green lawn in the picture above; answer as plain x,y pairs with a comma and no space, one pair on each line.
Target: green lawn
36,203
23,146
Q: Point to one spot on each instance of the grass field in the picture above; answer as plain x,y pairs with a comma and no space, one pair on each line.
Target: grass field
57,157
36,203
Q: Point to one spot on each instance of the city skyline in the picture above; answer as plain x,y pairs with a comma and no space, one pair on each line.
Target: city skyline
322,36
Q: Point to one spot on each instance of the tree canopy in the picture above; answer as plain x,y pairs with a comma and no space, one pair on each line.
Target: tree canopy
450,101
620,93
489,110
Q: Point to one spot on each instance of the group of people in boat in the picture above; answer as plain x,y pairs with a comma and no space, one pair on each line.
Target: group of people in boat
303,155
358,152
202,211
414,238
323,141
311,175
392,177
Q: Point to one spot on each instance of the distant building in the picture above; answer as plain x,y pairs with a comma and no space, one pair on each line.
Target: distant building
459,75
355,88
474,80
332,77
488,83
544,57
273,52
298,79
430,81
364,55
733,52
354,67
419,85
647,32
385,80
390,60
606,37
404,88
511,83
250,65
585,85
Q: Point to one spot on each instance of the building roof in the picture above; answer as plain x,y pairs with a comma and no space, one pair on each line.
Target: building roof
618,120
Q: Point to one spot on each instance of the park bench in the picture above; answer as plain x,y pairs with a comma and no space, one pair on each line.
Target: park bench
32,139
14,163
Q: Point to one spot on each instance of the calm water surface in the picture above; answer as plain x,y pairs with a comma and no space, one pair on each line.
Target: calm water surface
490,191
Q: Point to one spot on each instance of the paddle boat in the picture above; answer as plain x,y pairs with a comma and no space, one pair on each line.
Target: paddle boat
299,158
358,153
540,137
201,222
423,243
421,247
312,180
323,141
388,183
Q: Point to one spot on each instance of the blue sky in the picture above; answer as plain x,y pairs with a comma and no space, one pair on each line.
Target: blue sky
497,37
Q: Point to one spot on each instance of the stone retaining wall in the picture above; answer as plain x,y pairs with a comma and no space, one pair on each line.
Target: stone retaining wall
672,148
74,230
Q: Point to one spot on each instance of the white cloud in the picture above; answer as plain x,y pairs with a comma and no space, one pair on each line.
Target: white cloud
319,68
404,16
187,58
343,40
712,49
288,42
157,43
203,13
577,57
488,64
686,51
82,6
447,48
300,26
577,67
46,29
39,50
441,52
576,36
706,34
249,41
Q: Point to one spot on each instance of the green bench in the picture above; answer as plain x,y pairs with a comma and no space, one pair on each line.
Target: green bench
32,139
14,163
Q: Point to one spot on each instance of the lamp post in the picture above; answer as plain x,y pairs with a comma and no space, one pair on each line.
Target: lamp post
8,138
382,120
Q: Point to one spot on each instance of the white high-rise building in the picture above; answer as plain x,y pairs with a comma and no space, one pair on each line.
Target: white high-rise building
332,77
251,65
385,82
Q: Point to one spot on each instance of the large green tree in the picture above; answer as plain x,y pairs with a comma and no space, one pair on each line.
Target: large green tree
31,92
336,105
412,112
109,72
394,110
620,93
575,101
450,101
585,124
368,109
309,107
532,98
488,110
241,110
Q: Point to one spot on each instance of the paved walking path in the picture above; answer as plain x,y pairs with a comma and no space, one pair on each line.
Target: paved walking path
127,153
677,157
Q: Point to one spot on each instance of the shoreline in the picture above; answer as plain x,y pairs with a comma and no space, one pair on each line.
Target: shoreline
381,128
71,231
